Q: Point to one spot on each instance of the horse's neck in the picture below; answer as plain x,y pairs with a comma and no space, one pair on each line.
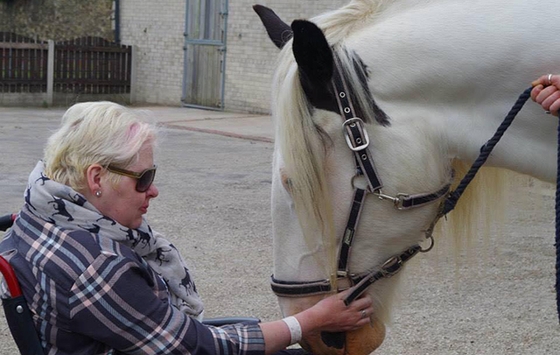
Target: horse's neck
528,146
460,69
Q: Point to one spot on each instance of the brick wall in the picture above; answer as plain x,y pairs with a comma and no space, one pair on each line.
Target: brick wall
156,28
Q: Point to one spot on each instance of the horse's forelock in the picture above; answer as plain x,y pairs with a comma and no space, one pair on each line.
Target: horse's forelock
302,148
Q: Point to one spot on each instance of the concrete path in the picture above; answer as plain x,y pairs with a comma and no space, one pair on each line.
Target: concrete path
237,125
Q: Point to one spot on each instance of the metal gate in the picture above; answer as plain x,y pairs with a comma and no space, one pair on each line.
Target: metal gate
205,53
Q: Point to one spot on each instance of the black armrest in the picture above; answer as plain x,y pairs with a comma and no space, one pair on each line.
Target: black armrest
6,221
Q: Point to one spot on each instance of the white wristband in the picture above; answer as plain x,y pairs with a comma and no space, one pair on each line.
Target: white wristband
294,327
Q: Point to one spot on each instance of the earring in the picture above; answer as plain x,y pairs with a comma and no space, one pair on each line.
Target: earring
98,193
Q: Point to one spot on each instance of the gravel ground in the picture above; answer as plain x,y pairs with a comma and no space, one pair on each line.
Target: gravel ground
495,297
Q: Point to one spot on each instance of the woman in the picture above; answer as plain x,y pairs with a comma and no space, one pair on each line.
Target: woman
97,277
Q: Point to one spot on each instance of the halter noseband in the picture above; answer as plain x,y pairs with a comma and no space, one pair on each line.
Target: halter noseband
358,141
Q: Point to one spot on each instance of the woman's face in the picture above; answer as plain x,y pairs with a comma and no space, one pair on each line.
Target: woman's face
122,202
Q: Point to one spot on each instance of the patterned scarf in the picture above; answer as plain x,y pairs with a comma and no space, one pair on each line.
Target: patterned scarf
63,206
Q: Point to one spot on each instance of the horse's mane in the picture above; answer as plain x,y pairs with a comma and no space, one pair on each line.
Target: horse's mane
340,23
478,210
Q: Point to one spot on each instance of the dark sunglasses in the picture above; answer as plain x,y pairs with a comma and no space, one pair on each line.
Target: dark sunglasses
144,179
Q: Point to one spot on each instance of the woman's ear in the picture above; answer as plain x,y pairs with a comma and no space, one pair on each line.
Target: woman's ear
93,179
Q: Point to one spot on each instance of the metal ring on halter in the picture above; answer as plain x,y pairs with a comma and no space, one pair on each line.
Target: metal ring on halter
549,77
432,242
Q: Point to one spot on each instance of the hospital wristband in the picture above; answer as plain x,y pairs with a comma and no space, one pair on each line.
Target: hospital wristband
294,327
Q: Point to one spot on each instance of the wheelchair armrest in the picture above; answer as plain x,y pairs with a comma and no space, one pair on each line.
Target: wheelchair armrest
10,278
217,322
18,316
7,221
21,326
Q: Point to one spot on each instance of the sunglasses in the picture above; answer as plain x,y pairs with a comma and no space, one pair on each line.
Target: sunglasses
144,179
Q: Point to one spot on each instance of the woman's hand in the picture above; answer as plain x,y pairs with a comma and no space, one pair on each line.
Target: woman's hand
546,92
332,315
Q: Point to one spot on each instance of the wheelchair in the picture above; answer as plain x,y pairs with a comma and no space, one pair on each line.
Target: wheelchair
20,320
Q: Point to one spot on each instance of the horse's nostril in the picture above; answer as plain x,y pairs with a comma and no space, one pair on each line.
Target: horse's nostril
333,340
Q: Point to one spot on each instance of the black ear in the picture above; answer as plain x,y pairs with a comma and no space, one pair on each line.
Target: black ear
315,63
312,52
278,31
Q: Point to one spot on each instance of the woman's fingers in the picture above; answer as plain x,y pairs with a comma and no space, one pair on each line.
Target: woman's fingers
545,93
548,101
547,80
555,107
340,317
541,80
536,91
364,302
362,310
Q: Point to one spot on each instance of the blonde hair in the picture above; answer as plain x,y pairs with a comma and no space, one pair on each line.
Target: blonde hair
95,133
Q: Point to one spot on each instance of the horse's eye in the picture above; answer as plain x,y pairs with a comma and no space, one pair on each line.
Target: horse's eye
286,182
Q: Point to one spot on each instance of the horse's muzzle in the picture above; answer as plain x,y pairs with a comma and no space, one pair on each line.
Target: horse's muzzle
359,342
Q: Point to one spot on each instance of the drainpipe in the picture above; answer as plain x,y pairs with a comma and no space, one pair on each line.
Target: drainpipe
117,21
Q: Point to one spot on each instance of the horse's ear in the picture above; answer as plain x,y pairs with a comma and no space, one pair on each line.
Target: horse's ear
313,56
278,31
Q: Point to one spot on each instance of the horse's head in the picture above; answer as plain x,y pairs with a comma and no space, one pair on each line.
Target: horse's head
315,62
315,179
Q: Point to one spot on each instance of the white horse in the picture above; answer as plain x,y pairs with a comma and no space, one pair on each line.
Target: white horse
431,80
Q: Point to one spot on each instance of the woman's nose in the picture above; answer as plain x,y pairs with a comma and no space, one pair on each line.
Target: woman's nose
153,191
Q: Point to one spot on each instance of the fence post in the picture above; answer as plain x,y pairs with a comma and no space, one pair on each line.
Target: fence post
133,64
50,73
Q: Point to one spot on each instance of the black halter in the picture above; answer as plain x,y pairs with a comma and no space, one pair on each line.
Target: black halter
358,141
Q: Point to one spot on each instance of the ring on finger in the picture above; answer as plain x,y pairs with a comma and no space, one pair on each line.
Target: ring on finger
549,78
363,313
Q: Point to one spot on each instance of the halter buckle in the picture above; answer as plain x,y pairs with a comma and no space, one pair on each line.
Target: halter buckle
392,266
351,122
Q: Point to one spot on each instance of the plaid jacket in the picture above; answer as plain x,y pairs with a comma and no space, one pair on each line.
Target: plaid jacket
91,295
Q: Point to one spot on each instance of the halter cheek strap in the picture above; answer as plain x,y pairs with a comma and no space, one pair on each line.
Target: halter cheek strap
354,131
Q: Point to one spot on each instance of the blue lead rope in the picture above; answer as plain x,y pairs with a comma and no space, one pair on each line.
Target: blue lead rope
485,151
557,239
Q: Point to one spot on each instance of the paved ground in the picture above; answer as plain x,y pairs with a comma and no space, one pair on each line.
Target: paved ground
496,297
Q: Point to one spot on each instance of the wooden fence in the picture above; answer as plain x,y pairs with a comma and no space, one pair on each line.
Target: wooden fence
23,64
82,66
92,65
